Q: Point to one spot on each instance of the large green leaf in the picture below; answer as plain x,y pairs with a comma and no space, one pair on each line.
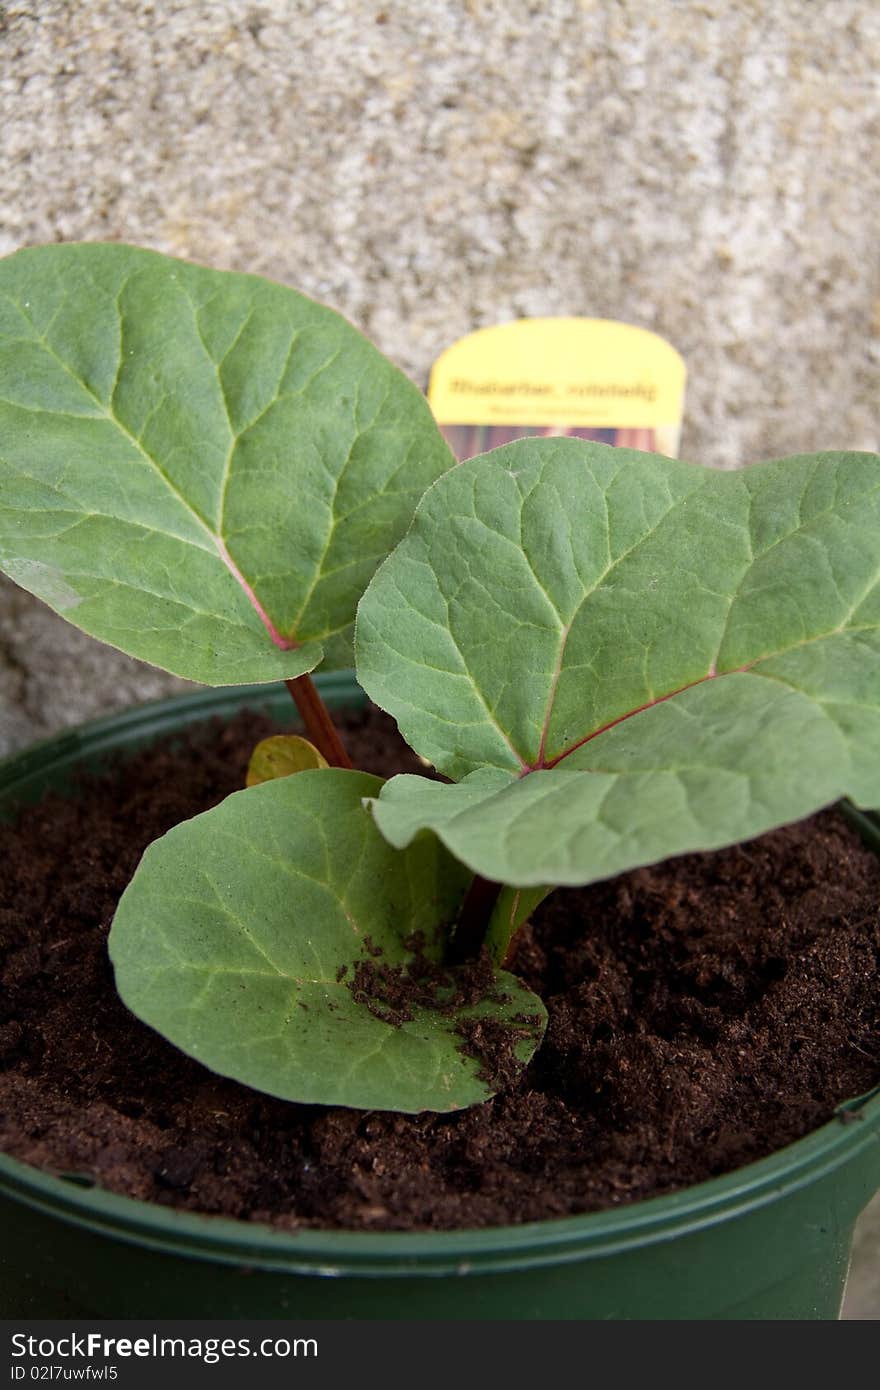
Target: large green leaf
243,932
199,467
626,657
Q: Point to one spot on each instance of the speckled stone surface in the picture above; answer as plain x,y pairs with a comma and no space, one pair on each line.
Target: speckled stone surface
862,1302
704,169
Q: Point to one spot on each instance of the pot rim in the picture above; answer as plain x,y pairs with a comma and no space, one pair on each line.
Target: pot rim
333,1253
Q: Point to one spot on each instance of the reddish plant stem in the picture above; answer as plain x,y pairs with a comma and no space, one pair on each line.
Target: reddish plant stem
470,933
320,728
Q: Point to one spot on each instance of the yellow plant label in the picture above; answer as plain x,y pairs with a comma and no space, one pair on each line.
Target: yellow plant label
592,378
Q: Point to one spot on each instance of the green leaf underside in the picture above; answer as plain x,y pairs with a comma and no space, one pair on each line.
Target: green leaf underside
705,646
199,467
231,938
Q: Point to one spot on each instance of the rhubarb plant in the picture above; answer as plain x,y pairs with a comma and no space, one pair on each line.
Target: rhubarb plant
618,658
609,657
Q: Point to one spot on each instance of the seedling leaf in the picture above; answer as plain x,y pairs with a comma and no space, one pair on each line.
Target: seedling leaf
281,756
254,936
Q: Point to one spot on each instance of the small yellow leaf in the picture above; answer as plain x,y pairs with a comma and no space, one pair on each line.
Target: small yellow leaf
280,756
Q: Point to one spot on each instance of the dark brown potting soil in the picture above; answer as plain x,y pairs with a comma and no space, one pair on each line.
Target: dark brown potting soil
702,1013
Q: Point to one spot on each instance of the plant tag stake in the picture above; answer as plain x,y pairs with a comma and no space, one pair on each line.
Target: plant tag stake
591,378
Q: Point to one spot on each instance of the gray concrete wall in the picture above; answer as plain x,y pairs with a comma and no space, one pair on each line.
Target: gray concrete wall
708,170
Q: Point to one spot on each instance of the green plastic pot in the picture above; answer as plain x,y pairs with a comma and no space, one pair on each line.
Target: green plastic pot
769,1241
